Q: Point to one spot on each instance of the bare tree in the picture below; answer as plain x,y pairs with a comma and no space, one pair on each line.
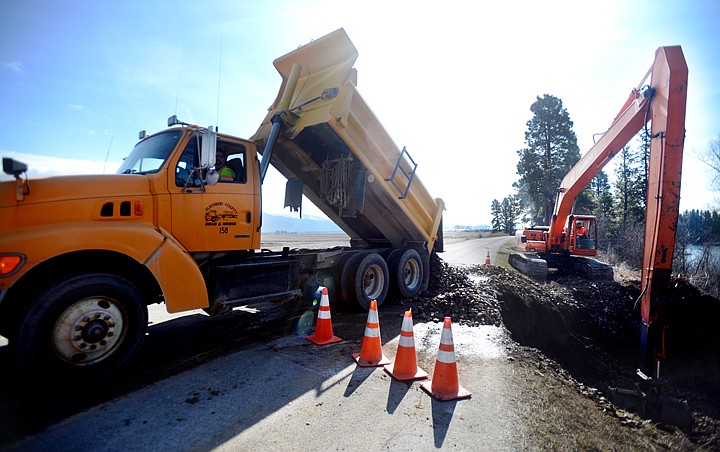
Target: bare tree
711,157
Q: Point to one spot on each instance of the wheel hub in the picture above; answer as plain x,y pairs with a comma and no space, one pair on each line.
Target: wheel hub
95,331
411,273
88,331
373,282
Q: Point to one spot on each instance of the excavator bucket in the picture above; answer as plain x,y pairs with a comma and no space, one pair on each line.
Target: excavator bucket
647,400
651,405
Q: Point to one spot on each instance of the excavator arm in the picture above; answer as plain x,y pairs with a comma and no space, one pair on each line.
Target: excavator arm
662,103
667,114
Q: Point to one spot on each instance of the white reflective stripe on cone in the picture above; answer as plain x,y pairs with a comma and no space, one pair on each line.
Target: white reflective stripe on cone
372,332
373,316
446,357
446,337
322,314
406,341
407,324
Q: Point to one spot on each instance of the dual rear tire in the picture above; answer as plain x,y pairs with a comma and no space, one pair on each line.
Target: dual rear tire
367,276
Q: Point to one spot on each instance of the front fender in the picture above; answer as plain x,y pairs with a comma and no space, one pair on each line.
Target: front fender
177,274
179,277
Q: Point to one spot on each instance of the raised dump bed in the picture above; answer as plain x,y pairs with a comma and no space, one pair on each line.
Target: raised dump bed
335,151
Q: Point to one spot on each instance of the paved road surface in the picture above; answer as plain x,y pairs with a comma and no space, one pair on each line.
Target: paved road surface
281,392
464,249
288,394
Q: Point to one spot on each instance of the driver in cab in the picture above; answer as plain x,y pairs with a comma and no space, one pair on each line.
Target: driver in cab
226,173
580,229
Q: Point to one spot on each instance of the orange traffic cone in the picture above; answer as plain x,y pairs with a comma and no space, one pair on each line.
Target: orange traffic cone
405,366
323,328
487,259
371,354
444,385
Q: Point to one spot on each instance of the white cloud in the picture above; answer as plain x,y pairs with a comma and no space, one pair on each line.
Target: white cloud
15,66
42,166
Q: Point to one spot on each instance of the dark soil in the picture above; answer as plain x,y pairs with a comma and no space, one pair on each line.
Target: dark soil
591,331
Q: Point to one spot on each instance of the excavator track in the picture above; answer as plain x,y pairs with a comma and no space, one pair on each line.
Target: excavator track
530,265
535,267
587,267
593,269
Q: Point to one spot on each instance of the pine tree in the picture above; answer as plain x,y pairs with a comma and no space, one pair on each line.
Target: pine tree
496,212
600,194
629,195
644,161
551,152
505,214
510,211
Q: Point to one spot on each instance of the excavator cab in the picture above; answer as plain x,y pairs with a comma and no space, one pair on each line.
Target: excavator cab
583,235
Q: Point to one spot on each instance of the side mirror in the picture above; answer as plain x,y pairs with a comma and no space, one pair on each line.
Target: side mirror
207,148
212,177
13,167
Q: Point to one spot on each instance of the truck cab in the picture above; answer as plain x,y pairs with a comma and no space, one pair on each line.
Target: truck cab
203,215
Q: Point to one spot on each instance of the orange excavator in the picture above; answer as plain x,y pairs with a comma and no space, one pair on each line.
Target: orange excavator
570,241
661,102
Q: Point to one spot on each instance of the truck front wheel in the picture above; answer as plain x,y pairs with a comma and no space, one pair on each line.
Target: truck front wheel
82,330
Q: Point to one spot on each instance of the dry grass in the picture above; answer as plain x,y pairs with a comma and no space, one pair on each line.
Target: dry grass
555,419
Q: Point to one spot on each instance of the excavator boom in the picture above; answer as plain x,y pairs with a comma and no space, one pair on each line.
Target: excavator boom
627,123
667,114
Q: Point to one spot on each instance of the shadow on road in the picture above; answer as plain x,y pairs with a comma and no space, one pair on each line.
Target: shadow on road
170,347
359,375
398,391
442,414
241,381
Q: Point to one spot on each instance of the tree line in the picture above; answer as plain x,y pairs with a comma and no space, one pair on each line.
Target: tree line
699,227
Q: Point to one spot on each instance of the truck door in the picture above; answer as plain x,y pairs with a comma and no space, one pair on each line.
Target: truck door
220,217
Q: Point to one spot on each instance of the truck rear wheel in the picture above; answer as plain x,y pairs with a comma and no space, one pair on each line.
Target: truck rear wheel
406,270
366,278
82,330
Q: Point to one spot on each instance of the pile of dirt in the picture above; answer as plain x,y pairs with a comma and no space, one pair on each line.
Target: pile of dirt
452,292
589,330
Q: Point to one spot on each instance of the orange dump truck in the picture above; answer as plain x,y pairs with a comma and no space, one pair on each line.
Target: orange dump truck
81,257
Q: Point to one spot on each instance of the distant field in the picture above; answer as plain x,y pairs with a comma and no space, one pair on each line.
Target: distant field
276,242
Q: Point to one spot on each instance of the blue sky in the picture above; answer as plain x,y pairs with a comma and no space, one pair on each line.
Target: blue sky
452,81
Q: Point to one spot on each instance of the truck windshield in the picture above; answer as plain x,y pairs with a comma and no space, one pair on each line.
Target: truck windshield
149,155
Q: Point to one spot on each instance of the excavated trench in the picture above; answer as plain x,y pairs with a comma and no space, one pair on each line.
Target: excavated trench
590,329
